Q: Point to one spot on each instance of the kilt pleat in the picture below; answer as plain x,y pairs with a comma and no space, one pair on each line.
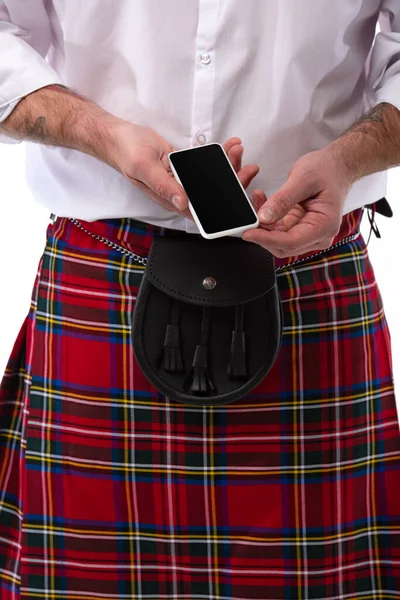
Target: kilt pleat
110,490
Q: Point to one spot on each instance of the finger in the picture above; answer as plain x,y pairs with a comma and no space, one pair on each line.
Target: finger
231,142
186,213
258,198
163,184
279,253
163,203
292,242
247,174
283,244
297,188
317,247
235,156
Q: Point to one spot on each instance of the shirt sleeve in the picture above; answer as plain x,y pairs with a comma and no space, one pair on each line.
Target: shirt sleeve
383,77
26,36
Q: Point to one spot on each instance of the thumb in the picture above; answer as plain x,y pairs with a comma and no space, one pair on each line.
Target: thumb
296,189
164,185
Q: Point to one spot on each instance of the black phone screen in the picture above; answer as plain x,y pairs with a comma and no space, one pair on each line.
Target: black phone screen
212,188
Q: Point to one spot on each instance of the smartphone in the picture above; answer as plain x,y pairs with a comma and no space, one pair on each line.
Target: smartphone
217,200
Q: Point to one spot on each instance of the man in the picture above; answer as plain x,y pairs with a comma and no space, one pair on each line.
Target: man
107,488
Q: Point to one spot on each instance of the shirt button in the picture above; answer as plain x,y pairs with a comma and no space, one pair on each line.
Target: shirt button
201,138
205,58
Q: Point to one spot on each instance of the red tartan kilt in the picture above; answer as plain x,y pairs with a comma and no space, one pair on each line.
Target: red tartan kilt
110,490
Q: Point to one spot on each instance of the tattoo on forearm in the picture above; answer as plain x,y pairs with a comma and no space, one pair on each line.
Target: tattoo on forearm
21,127
34,130
376,115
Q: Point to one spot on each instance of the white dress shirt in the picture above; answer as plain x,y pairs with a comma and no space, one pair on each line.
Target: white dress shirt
286,76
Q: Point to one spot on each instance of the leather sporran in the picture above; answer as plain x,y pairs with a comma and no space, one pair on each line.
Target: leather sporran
207,324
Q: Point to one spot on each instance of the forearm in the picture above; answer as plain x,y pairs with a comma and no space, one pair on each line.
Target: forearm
372,144
57,116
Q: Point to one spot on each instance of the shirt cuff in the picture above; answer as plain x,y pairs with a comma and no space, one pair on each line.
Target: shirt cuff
7,109
390,92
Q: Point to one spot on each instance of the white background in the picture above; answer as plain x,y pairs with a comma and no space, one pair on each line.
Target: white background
23,224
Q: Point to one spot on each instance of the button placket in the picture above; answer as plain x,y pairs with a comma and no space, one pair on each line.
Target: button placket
204,71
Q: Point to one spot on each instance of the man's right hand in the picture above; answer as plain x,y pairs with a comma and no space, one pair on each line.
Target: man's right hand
141,155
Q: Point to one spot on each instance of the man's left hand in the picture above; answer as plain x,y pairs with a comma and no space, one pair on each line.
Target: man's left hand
306,212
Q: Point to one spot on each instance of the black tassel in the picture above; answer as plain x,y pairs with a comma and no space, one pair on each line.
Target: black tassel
202,382
172,353
236,366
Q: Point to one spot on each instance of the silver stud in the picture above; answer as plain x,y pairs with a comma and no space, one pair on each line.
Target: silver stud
209,283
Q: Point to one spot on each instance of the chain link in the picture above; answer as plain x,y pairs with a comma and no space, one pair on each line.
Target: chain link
140,259
143,260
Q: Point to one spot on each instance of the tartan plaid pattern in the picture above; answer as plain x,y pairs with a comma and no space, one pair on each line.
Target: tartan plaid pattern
109,490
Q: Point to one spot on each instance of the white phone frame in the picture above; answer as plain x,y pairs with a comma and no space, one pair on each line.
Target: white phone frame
225,232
